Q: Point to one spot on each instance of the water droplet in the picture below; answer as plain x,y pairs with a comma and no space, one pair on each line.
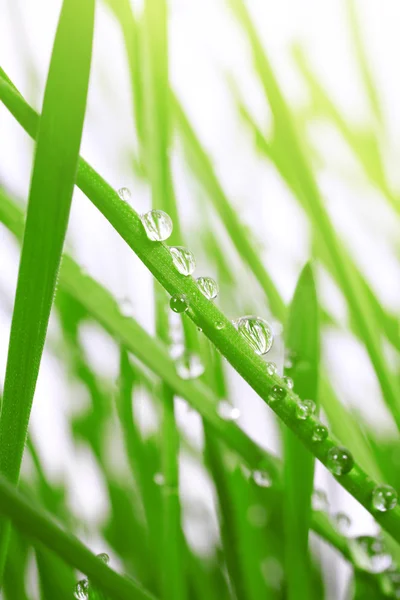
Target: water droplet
219,325
125,194
320,501
257,515
159,479
290,358
179,303
82,590
384,498
183,260
370,554
288,381
320,433
305,409
126,307
228,412
208,287
256,332
158,225
189,365
103,556
271,368
277,393
262,479
342,522
339,460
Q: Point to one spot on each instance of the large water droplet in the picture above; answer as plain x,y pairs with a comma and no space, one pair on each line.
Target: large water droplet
103,556
189,365
124,194
179,303
288,381
208,287
158,225
82,590
339,460
256,332
342,522
384,498
369,553
320,501
228,412
319,433
262,479
271,368
183,260
277,393
305,409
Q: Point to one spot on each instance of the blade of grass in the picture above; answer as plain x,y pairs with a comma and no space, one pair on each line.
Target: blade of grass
52,184
157,258
302,339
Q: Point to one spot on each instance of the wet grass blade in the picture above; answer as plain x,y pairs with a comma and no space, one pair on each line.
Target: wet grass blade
302,341
52,184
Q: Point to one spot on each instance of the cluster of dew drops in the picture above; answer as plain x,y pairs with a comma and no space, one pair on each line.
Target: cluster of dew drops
258,334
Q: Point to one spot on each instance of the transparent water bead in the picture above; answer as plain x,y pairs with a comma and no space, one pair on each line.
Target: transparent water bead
158,225
208,287
320,501
370,554
179,303
305,409
277,393
342,522
125,194
189,365
257,333
271,368
159,479
126,307
82,590
288,381
103,556
219,325
183,260
228,412
339,460
319,433
262,479
384,498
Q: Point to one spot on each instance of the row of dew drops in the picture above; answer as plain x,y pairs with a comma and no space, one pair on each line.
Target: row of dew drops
258,334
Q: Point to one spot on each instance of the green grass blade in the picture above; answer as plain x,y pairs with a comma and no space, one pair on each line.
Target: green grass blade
302,339
52,184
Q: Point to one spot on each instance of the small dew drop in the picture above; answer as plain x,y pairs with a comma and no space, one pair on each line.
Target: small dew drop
219,325
159,479
158,225
369,554
257,516
339,460
126,307
125,194
320,433
82,590
208,287
342,522
320,501
183,260
384,498
277,393
179,303
228,412
271,368
288,381
189,365
262,479
103,556
305,409
257,333
290,358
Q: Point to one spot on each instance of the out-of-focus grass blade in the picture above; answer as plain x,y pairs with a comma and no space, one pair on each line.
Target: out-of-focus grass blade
14,587
302,339
52,183
57,580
